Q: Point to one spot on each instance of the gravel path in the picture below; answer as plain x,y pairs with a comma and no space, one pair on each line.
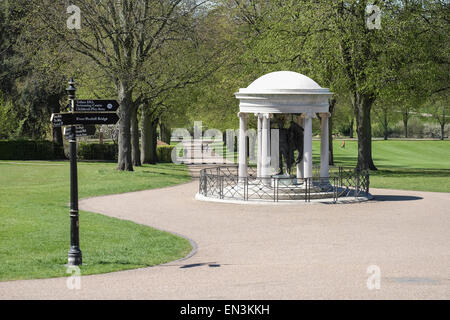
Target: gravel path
275,252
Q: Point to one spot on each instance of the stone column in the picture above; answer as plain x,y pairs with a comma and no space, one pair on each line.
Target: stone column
301,165
324,146
307,151
231,135
259,155
197,143
265,146
243,172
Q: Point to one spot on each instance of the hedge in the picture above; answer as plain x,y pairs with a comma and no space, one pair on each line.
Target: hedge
30,150
95,151
48,150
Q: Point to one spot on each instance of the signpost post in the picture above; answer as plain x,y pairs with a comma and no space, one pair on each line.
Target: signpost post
75,256
80,121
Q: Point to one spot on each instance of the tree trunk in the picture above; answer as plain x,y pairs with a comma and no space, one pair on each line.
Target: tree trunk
166,133
126,104
149,138
352,134
442,130
154,140
405,123
362,105
135,150
385,125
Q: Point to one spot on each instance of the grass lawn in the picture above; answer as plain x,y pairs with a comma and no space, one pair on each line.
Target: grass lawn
35,225
402,164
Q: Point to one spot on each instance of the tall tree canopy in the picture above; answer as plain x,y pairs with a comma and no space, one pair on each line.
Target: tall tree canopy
126,39
170,62
336,43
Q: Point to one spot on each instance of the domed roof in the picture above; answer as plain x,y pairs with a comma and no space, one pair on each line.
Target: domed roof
283,80
284,92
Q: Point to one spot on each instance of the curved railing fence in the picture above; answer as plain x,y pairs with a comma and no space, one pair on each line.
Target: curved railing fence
223,182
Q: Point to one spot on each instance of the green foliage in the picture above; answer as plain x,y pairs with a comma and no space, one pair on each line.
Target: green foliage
12,13
378,130
96,151
30,150
344,129
402,61
31,77
192,73
9,121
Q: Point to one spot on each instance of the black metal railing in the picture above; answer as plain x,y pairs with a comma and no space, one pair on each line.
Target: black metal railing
224,183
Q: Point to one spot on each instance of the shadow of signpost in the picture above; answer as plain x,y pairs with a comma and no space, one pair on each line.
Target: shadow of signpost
395,198
196,265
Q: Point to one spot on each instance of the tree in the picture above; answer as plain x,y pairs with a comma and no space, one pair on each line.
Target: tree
326,39
181,66
12,14
363,61
11,26
121,37
31,75
438,106
416,55
382,112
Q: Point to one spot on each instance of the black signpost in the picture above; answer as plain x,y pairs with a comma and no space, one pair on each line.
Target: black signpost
96,105
81,131
81,120
88,118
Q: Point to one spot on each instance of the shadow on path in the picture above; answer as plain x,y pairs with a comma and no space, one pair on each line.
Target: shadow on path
195,265
395,198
